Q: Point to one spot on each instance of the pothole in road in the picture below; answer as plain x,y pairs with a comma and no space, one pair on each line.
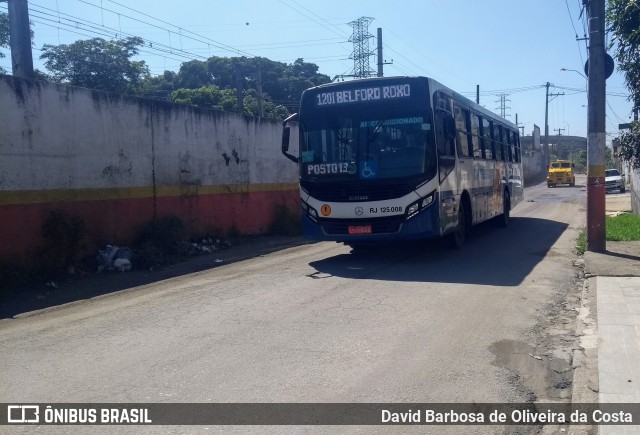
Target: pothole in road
545,377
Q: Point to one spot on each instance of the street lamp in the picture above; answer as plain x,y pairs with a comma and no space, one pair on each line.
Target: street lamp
574,70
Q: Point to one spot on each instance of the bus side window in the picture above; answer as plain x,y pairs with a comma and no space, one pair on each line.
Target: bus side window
444,140
508,144
443,125
475,136
497,139
516,139
487,143
462,132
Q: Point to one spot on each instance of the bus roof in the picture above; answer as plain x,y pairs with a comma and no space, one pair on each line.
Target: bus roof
434,85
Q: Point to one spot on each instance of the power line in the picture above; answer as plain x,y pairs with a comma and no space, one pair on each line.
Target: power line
180,29
203,39
339,31
574,30
110,33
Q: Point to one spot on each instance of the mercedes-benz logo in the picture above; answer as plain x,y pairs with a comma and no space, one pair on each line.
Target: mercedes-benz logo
359,211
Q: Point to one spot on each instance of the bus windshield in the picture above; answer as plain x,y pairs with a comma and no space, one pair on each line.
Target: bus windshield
358,146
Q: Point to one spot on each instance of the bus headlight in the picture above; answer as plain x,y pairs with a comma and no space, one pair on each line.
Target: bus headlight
309,211
427,200
313,214
413,209
420,204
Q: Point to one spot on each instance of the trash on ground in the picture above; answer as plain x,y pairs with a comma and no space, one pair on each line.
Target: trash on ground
114,258
207,245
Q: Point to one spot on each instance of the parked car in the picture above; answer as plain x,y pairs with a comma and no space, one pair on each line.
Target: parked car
613,180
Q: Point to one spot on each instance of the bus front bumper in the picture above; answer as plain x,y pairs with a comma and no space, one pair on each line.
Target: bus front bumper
423,225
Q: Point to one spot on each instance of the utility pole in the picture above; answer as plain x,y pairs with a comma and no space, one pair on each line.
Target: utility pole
259,91
545,148
20,39
477,94
381,61
559,130
520,127
546,119
239,89
596,137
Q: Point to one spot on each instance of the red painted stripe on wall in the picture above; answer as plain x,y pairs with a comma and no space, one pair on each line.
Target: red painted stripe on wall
117,221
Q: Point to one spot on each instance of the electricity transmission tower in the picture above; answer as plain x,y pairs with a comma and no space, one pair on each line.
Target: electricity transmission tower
503,105
361,47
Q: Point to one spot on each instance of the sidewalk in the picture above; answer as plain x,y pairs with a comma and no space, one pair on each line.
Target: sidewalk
615,276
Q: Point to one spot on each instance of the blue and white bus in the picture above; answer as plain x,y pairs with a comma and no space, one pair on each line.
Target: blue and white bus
401,158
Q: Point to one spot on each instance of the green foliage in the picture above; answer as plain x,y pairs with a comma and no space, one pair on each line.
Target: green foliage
623,19
624,227
97,64
282,84
193,74
213,97
581,243
107,66
159,87
629,145
210,96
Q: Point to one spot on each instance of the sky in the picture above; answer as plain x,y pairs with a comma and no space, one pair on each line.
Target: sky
506,47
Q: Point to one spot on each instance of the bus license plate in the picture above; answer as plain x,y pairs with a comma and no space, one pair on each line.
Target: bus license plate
362,229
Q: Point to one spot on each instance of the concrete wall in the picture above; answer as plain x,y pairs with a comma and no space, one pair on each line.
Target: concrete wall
633,177
534,161
117,162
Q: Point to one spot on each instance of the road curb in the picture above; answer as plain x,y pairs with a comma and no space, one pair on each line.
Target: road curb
585,356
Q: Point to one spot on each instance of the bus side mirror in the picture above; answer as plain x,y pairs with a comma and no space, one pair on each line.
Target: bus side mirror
286,135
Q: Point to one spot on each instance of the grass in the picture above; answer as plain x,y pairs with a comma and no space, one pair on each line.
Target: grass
622,228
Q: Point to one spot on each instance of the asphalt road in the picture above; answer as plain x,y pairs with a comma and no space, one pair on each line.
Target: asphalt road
417,323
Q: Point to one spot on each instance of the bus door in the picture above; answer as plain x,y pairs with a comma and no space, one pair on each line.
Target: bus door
445,132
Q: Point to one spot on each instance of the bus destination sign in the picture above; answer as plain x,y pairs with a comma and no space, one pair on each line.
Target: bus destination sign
363,95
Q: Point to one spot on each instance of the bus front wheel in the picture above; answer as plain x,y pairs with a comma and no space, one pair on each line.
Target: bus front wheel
459,235
503,219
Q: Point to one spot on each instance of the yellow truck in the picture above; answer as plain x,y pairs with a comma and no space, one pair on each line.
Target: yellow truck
561,172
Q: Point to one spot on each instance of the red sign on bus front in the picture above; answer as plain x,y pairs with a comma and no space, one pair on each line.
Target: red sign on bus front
363,229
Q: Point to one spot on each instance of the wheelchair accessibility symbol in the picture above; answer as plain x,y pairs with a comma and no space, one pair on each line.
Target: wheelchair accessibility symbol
369,169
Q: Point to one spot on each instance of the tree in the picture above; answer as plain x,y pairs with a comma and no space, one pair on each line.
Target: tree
193,74
623,19
97,64
159,87
212,97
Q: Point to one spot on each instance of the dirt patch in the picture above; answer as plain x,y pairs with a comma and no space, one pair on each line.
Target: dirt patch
542,367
